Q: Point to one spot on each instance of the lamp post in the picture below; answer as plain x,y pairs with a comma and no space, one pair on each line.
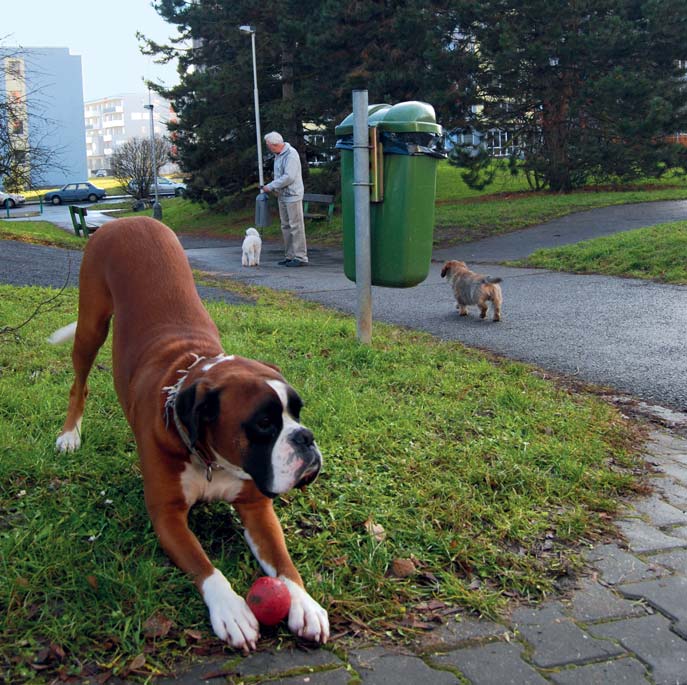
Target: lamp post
251,30
157,207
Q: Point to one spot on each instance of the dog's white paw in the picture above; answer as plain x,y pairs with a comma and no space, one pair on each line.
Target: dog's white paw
69,441
231,618
306,617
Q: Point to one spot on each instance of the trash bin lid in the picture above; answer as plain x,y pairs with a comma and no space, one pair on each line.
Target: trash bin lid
410,117
404,117
374,114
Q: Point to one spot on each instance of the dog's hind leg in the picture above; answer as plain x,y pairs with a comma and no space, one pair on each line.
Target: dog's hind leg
95,312
496,304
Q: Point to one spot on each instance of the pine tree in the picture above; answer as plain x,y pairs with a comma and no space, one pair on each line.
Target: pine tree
310,54
591,89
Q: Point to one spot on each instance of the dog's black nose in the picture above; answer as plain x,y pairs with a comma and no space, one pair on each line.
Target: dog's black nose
303,438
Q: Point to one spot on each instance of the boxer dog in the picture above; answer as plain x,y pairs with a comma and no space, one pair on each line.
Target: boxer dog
207,425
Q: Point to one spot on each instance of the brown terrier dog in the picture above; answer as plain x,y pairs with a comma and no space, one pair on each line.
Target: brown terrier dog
470,288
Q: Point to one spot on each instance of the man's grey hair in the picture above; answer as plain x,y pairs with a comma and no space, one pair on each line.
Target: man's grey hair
274,138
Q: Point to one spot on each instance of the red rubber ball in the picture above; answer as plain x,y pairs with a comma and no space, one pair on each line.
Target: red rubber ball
269,600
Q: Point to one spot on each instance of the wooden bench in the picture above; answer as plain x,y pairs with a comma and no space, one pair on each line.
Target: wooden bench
314,198
78,215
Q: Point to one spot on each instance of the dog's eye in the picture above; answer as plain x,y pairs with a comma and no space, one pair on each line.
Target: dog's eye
265,422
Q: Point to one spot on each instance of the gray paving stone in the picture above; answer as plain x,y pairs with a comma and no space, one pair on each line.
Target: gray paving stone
556,640
618,566
619,672
668,595
594,602
651,639
658,512
674,492
376,666
272,664
675,560
663,443
643,538
674,469
497,662
459,630
338,677
198,673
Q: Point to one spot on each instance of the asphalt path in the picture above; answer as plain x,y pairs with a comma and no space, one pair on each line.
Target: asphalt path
625,334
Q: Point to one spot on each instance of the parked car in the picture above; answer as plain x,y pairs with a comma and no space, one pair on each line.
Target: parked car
165,186
100,173
75,192
13,199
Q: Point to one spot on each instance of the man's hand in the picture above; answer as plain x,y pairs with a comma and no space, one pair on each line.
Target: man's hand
266,189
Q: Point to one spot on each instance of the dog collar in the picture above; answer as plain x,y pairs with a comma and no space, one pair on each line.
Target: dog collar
170,409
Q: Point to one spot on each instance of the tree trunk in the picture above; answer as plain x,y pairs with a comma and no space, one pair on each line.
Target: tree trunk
555,127
293,127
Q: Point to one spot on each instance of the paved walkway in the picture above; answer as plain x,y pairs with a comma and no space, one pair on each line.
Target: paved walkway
626,621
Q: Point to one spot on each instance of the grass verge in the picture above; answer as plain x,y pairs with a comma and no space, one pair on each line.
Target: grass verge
483,474
461,214
39,233
657,253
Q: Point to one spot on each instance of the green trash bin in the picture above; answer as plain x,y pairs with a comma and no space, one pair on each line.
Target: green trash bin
402,216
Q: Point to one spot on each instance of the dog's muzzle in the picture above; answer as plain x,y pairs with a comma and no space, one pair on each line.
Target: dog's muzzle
305,448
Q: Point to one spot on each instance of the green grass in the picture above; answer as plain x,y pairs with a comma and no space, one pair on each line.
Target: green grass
482,472
657,253
40,233
461,214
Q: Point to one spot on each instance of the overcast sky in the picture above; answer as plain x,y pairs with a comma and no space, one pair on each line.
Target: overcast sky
102,33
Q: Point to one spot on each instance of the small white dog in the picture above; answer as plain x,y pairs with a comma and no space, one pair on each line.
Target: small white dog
252,245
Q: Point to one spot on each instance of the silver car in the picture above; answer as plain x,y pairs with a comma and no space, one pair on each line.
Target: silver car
11,199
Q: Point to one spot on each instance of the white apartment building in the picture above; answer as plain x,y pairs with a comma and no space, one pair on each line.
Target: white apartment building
111,121
47,84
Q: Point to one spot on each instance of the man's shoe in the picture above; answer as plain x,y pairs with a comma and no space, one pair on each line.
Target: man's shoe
283,262
296,262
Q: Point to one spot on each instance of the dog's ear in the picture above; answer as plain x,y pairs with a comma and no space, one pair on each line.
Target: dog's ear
196,406
444,271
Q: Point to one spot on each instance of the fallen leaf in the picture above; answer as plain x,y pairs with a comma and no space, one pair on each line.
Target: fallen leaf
92,581
157,626
193,634
375,530
402,568
137,663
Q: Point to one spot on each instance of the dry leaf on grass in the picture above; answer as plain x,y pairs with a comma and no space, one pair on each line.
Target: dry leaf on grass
375,530
157,626
402,568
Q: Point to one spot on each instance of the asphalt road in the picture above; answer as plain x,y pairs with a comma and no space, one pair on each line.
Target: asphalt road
622,333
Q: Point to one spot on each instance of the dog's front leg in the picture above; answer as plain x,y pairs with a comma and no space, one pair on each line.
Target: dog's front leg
266,539
231,618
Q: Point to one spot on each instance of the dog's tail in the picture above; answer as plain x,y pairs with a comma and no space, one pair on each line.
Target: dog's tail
492,279
63,335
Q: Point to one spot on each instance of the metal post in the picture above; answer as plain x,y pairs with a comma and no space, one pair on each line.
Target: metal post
361,198
256,100
157,207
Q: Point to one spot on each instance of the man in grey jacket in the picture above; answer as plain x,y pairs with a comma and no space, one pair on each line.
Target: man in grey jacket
288,186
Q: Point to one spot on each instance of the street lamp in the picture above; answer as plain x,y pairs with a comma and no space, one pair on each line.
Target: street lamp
157,207
251,30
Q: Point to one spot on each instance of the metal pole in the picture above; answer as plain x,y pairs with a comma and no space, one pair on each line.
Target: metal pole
256,99
361,198
157,207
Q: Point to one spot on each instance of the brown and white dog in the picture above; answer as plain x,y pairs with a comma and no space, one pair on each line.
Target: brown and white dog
470,288
208,425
